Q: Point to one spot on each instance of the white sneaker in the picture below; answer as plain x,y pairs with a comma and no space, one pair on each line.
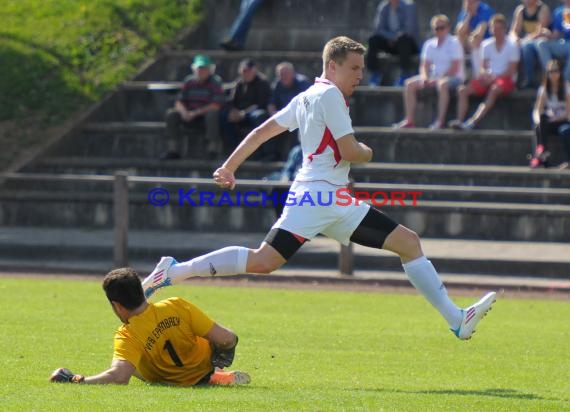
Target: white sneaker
158,278
473,314
436,125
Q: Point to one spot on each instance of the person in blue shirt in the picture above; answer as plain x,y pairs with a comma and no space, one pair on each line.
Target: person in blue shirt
288,84
472,28
556,45
396,31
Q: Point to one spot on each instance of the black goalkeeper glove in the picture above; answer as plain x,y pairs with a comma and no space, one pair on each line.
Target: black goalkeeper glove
222,358
65,375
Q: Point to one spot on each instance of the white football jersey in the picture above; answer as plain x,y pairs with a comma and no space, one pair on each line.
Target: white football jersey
322,117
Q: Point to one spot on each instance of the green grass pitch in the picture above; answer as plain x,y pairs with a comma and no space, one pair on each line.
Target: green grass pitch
305,350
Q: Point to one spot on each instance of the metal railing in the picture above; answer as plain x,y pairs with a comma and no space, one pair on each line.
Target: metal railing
121,199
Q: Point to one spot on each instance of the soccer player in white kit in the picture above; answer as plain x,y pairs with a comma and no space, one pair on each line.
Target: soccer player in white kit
329,147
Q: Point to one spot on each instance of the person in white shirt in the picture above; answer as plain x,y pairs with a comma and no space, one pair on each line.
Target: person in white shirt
441,67
498,75
329,147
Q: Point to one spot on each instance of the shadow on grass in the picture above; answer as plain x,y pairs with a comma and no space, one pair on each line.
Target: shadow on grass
495,393
492,393
64,61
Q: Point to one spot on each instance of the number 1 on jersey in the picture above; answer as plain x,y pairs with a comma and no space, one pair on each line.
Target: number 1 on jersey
168,346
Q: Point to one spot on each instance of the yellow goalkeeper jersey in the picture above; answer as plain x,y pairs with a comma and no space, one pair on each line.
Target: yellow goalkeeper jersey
165,342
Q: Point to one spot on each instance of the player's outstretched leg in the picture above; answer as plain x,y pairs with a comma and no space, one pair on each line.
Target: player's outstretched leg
473,314
158,278
228,261
424,278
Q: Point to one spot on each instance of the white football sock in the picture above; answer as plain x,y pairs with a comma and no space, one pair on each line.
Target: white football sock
424,277
228,261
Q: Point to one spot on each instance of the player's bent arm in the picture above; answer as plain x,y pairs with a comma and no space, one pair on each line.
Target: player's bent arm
224,176
221,337
353,151
223,343
120,373
270,128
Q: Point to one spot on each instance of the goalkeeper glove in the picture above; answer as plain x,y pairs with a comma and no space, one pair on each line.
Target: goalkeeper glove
65,375
222,358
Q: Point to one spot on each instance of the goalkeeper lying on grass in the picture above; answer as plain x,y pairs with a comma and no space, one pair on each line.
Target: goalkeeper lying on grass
168,342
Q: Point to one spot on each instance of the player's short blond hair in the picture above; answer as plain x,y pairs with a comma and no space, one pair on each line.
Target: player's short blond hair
338,48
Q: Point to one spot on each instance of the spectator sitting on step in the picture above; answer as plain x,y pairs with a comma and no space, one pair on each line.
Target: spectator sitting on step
396,31
550,115
247,107
288,84
240,27
497,76
472,29
197,104
531,20
556,45
441,67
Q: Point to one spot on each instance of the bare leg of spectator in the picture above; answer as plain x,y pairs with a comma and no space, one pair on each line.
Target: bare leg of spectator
484,108
443,101
463,94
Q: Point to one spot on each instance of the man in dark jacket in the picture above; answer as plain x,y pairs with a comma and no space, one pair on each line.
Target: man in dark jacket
247,107
396,31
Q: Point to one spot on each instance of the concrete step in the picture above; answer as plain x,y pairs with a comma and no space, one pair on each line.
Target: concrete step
146,167
307,25
469,175
490,147
383,106
447,146
74,246
440,219
370,106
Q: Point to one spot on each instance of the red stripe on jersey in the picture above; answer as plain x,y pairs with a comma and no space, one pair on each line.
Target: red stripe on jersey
327,141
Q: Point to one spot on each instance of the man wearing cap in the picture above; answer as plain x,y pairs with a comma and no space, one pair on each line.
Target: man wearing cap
197,105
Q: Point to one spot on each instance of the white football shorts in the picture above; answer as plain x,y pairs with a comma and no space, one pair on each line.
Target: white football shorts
321,207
